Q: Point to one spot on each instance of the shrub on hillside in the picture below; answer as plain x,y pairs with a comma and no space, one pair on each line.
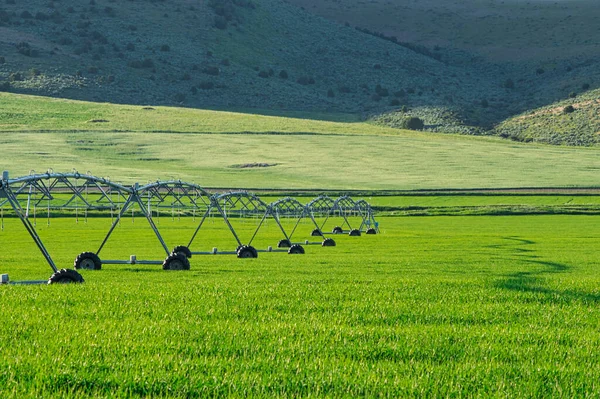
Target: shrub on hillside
395,102
206,85
585,86
572,94
2,60
283,74
4,86
568,109
330,93
413,123
263,74
305,80
141,64
508,84
25,49
165,47
211,70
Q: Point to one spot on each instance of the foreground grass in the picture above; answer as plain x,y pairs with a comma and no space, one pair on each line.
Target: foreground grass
459,306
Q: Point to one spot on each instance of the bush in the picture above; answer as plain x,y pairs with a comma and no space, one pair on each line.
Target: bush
413,123
381,91
15,77
585,86
144,64
568,109
508,84
211,70
263,74
395,102
26,15
303,80
283,74
165,47
130,47
180,97
330,93
206,85
484,103
25,49
225,62
4,86
2,60
376,97
220,22
539,71
400,93
572,94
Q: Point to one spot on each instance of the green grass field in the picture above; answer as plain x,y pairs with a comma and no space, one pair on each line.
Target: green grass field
206,147
438,306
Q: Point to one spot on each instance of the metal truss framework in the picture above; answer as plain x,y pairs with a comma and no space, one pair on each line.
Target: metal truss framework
79,193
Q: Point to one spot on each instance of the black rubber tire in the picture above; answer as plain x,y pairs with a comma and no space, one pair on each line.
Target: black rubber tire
176,261
183,250
371,231
354,233
66,276
247,251
328,242
285,243
296,249
337,230
87,261
316,233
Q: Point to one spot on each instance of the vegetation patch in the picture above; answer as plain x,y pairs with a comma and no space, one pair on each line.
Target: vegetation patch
253,165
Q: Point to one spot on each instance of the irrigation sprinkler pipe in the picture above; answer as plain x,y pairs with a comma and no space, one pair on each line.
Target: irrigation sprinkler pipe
27,223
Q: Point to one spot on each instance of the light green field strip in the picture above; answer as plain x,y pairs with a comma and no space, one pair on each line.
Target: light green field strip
349,162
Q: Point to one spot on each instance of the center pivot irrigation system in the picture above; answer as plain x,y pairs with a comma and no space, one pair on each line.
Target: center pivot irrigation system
39,196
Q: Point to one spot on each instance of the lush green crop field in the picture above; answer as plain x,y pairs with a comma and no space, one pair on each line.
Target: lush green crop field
435,306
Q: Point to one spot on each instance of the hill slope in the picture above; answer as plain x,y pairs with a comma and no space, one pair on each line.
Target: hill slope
261,54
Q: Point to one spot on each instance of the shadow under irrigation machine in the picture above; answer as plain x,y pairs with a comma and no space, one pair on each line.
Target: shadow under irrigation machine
84,194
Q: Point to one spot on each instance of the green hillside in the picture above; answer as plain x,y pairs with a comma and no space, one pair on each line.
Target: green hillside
274,55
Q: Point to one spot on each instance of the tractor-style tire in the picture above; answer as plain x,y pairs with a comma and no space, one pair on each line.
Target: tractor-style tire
87,261
247,251
183,250
296,249
328,242
285,243
316,233
66,276
176,261
371,231
337,230
354,233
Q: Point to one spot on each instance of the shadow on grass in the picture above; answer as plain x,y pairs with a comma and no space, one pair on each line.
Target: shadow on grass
532,281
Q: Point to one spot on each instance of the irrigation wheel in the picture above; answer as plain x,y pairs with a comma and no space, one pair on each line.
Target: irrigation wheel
176,261
296,249
247,251
337,230
371,231
316,233
354,233
328,242
87,261
285,243
183,250
65,276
